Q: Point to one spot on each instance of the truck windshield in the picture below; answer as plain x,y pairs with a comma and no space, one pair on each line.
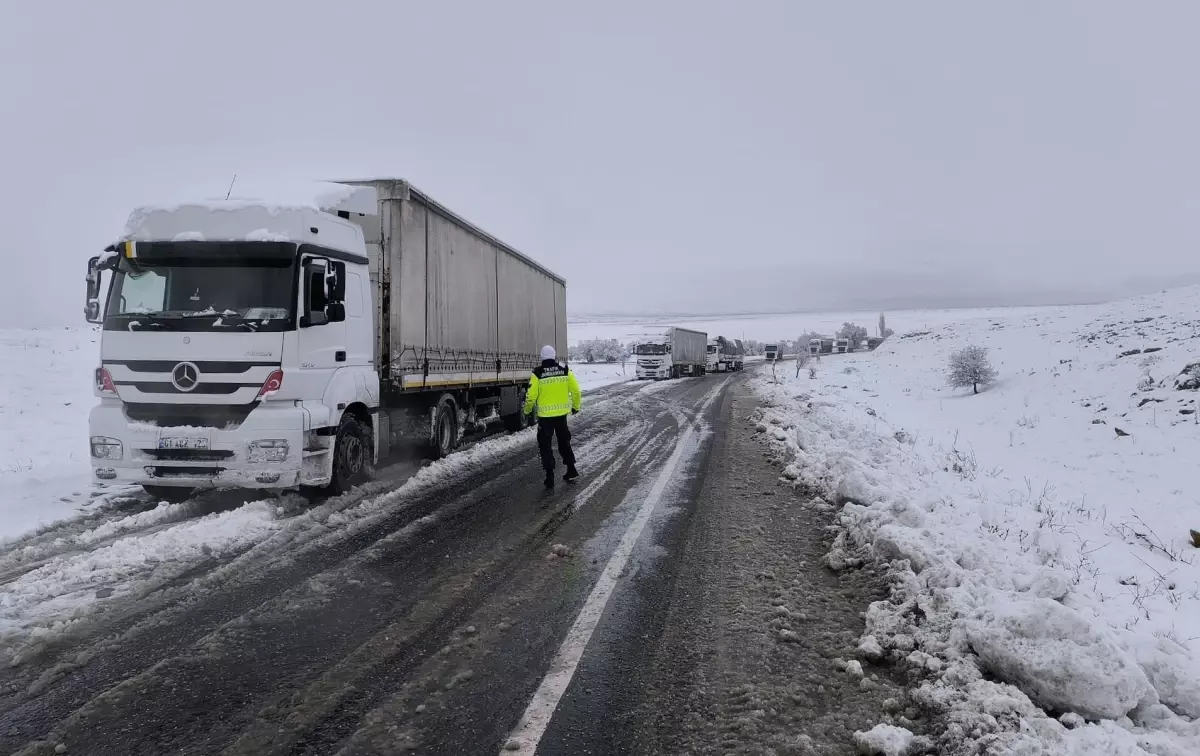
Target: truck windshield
712,349
651,349
202,295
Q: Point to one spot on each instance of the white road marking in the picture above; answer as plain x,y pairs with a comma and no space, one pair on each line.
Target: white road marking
528,734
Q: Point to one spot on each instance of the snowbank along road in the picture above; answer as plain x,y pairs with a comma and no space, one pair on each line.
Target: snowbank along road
460,609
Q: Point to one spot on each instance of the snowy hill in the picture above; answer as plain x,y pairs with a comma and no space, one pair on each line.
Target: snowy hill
1036,545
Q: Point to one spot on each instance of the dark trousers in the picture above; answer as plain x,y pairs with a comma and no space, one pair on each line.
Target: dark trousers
548,428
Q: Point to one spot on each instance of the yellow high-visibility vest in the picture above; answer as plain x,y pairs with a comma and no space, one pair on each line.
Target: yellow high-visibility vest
553,392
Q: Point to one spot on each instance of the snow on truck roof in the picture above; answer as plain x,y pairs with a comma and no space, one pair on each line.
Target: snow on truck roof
292,212
326,196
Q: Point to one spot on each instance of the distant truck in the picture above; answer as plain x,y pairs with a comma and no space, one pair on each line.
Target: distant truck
679,352
771,352
725,355
814,347
841,346
290,342
734,355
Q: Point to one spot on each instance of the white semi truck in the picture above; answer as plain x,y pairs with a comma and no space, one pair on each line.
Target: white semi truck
679,352
262,344
771,352
725,355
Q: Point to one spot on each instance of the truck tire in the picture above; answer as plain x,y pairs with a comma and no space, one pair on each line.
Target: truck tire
515,423
172,494
445,429
351,457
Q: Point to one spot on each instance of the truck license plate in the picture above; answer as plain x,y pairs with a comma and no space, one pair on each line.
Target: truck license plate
183,442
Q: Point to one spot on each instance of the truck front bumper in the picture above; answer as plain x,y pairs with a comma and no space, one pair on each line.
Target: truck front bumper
266,451
653,373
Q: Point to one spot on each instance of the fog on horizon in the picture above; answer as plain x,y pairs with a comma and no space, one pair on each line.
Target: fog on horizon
694,157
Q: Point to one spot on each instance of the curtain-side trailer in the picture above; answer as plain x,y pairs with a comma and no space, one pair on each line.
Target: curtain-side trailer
461,319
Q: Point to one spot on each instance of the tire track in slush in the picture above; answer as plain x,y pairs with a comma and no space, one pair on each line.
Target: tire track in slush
164,583
529,731
602,447
333,706
397,644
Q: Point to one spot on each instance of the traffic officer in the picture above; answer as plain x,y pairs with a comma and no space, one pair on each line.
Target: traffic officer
553,393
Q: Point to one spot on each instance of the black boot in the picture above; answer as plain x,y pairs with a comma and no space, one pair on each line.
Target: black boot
549,479
572,473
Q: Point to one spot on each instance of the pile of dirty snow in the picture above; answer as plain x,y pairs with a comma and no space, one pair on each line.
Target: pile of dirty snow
1046,589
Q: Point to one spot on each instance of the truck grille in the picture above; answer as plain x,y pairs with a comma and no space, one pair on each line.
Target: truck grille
210,366
188,455
168,471
198,415
203,388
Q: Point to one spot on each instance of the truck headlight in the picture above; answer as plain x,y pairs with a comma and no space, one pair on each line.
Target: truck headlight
269,450
104,447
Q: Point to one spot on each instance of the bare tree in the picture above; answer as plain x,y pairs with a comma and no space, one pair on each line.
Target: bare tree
802,359
970,366
598,350
884,331
855,333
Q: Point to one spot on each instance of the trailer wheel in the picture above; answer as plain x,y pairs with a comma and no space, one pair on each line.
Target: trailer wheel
172,494
445,428
351,457
515,423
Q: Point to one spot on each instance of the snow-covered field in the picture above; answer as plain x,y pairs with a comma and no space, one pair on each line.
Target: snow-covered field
769,328
602,374
1046,586
46,377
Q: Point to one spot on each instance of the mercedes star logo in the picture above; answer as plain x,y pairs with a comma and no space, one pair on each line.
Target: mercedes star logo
185,376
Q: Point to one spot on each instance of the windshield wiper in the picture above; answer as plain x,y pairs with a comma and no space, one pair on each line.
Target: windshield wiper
155,319
242,322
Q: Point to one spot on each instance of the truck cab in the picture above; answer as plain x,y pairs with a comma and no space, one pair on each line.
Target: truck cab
236,347
771,352
715,362
654,361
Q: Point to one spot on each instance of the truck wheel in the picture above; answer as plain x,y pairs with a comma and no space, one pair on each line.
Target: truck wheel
170,494
514,423
351,457
445,429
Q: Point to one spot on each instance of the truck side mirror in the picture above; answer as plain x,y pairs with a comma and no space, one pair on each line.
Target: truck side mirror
335,282
91,310
315,297
335,312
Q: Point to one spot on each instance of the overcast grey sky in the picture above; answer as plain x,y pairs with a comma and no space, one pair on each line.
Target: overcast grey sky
777,155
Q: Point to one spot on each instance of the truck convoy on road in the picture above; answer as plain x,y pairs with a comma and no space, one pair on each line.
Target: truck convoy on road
678,353
259,344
